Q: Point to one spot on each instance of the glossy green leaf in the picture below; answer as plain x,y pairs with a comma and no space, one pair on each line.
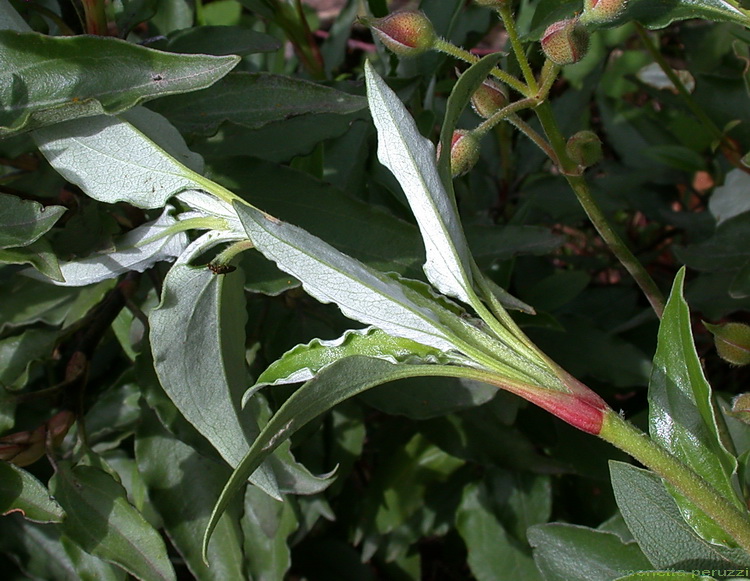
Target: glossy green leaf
304,361
681,413
493,553
47,80
24,221
112,160
411,159
100,519
657,524
253,100
342,380
360,292
566,552
183,490
21,492
201,319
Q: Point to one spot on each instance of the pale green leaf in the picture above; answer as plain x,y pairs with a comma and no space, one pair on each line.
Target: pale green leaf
24,221
411,158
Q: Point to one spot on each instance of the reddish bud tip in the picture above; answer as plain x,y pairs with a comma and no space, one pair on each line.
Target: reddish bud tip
602,11
732,342
585,148
464,152
565,42
488,99
407,33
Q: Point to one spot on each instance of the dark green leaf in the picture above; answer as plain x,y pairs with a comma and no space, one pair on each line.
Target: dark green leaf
24,221
220,40
493,554
47,80
18,351
38,254
21,492
100,519
266,526
253,100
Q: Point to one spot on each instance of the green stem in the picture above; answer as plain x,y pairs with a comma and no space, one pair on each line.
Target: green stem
629,439
464,55
580,187
509,22
96,19
542,143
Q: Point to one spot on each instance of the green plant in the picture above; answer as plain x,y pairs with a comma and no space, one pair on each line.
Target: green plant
148,364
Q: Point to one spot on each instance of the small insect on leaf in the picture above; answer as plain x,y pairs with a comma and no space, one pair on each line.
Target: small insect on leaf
220,268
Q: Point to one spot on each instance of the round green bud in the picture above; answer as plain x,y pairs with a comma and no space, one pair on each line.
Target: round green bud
585,148
464,152
489,98
741,407
407,33
732,342
565,42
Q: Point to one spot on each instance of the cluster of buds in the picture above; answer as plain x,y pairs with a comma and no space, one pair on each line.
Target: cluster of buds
567,41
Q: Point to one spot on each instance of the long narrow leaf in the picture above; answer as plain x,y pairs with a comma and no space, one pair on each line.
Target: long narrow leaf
411,158
330,276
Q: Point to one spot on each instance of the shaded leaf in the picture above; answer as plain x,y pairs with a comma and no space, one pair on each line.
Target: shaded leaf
183,489
253,100
21,492
47,80
220,40
100,519
24,221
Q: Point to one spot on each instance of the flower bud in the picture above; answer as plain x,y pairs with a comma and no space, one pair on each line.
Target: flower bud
602,11
741,407
488,99
565,42
407,33
464,152
585,148
732,342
